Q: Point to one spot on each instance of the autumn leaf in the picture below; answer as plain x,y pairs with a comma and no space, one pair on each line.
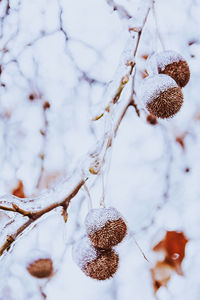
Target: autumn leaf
161,274
173,247
19,190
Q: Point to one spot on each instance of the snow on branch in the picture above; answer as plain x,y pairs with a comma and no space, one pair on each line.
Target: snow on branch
33,208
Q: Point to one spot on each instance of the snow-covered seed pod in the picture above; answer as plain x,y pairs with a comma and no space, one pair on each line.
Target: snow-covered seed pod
161,96
95,263
105,227
41,268
170,63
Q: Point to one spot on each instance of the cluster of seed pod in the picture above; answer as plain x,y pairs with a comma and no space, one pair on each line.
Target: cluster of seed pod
105,228
161,91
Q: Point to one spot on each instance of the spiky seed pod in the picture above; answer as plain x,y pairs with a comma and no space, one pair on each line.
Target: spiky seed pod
104,267
95,263
161,96
170,63
41,268
105,227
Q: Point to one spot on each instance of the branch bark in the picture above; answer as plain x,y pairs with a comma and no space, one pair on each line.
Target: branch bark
34,208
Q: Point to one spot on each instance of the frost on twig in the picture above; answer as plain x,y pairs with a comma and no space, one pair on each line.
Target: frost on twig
68,125
35,207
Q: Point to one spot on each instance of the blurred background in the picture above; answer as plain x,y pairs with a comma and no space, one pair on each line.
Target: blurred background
57,73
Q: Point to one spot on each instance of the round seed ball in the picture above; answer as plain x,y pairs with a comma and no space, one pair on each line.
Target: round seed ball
161,96
95,263
41,268
105,227
170,63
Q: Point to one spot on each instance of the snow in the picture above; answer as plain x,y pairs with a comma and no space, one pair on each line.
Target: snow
98,217
162,59
83,252
154,85
145,163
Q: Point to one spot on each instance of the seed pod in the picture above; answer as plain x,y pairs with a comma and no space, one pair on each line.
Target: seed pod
170,63
161,96
105,227
95,263
41,268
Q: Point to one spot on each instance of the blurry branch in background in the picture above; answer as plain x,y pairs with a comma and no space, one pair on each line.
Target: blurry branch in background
34,208
83,74
43,132
123,13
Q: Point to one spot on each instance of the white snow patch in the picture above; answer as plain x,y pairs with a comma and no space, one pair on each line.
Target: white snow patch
83,252
97,218
161,60
153,86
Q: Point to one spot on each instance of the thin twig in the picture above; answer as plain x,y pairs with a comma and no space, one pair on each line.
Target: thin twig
33,216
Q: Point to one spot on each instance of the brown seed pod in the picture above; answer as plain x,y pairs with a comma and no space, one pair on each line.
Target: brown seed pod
170,63
41,268
105,227
104,266
95,263
161,96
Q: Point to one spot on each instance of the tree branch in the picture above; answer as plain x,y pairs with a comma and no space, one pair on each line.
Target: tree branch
24,206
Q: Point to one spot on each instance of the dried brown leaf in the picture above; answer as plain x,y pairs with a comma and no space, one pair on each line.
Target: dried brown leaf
19,190
161,274
173,245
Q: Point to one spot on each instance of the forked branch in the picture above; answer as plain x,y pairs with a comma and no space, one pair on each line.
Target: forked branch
29,207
